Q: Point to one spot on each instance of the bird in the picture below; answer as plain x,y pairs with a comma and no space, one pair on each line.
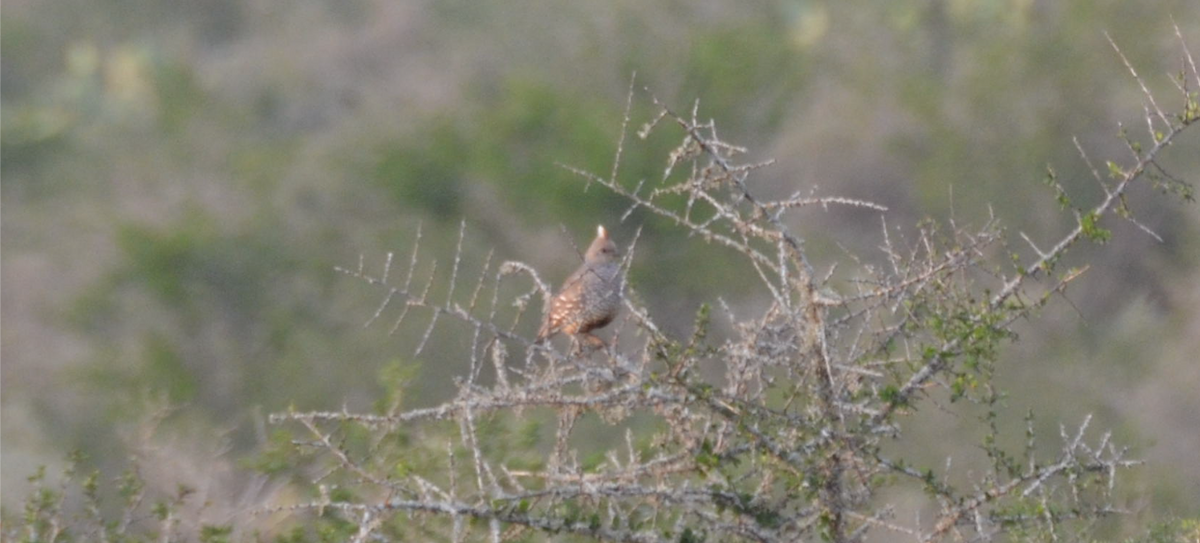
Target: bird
590,297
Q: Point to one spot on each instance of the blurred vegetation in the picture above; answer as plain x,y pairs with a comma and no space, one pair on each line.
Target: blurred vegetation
180,179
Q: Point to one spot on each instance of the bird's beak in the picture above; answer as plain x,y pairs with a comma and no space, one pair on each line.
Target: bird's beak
601,232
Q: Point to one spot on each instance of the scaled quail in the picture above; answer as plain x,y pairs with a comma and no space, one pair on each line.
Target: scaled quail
590,297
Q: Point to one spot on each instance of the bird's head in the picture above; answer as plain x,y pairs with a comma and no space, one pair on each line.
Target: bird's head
602,249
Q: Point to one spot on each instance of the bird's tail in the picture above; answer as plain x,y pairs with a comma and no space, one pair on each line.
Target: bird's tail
543,333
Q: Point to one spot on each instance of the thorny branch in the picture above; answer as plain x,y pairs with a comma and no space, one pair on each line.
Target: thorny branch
787,442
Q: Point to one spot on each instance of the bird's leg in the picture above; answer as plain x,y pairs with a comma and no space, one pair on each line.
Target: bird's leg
594,341
576,346
586,343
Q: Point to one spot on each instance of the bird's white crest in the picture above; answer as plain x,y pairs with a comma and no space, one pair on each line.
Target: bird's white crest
600,231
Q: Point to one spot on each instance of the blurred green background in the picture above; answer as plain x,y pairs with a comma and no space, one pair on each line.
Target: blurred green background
181,178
